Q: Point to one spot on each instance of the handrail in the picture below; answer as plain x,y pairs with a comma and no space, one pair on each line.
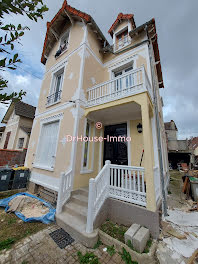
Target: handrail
116,181
65,188
117,78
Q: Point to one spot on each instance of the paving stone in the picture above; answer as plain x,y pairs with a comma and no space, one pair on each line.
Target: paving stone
140,239
131,232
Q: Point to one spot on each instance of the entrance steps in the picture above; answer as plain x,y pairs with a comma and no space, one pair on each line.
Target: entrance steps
73,218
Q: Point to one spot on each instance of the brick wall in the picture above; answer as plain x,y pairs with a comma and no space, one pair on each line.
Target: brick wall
11,157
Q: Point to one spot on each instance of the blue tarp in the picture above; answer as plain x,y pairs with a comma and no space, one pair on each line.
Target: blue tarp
46,219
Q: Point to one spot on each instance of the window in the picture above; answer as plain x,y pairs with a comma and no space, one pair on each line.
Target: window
20,143
56,89
86,146
1,135
126,81
63,44
122,39
45,156
7,140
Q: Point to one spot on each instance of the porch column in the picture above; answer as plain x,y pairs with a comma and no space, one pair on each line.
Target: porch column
149,157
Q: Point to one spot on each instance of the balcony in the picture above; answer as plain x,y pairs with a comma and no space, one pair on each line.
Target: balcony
53,98
131,83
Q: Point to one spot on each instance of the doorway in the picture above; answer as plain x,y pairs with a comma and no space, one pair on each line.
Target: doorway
116,151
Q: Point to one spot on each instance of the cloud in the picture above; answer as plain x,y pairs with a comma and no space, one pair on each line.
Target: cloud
176,23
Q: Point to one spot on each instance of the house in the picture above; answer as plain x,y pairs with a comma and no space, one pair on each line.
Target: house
92,94
179,151
18,119
2,129
193,144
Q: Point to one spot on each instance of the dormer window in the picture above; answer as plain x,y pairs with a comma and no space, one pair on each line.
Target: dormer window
63,44
122,39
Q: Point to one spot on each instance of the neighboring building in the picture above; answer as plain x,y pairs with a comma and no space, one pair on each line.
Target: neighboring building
18,119
193,143
179,151
88,81
2,129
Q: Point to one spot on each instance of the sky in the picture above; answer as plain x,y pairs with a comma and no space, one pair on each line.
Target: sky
176,23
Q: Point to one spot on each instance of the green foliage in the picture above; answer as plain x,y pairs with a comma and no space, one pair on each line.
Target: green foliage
127,257
6,244
99,242
89,258
114,230
11,34
11,221
129,244
111,250
148,245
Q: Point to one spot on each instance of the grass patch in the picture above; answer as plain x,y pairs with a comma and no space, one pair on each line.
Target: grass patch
148,245
6,244
126,257
13,229
114,230
99,243
111,250
7,194
89,258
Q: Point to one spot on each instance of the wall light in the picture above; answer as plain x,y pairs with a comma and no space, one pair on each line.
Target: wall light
139,128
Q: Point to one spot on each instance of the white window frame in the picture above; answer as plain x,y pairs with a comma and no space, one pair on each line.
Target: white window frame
52,91
67,46
86,169
43,122
18,146
118,33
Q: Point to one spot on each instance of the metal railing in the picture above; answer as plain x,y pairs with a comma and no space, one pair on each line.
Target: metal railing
131,83
53,98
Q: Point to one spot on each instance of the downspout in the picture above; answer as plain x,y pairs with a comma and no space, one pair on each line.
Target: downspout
164,204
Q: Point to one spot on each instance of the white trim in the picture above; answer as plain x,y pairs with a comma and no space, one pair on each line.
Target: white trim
129,143
100,153
54,110
43,167
44,121
45,181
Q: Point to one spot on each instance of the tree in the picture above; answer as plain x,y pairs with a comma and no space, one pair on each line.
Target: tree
11,34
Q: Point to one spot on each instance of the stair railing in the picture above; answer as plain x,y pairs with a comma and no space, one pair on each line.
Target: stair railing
65,188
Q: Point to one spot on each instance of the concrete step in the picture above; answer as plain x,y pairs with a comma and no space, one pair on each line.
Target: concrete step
80,199
79,211
82,191
77,229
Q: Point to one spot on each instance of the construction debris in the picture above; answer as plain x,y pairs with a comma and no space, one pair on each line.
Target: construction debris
28,206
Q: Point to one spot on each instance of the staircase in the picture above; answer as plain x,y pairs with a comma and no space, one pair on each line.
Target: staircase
73,218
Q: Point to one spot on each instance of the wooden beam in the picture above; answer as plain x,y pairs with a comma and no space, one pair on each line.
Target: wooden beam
54,33
69,16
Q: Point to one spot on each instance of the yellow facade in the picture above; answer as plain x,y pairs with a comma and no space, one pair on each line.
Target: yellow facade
85,66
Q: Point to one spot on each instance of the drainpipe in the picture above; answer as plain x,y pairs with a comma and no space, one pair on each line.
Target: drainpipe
164,204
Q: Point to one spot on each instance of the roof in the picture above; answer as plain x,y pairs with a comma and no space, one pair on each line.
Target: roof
66,13
170,125
119,18
27,130
21,109
150,27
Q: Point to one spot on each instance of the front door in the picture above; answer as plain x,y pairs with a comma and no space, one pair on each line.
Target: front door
114,151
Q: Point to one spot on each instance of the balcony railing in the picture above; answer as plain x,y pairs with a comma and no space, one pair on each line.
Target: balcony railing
131,83
53,98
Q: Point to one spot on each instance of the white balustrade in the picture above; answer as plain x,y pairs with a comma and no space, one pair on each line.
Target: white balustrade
65,189
133,82
125,183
